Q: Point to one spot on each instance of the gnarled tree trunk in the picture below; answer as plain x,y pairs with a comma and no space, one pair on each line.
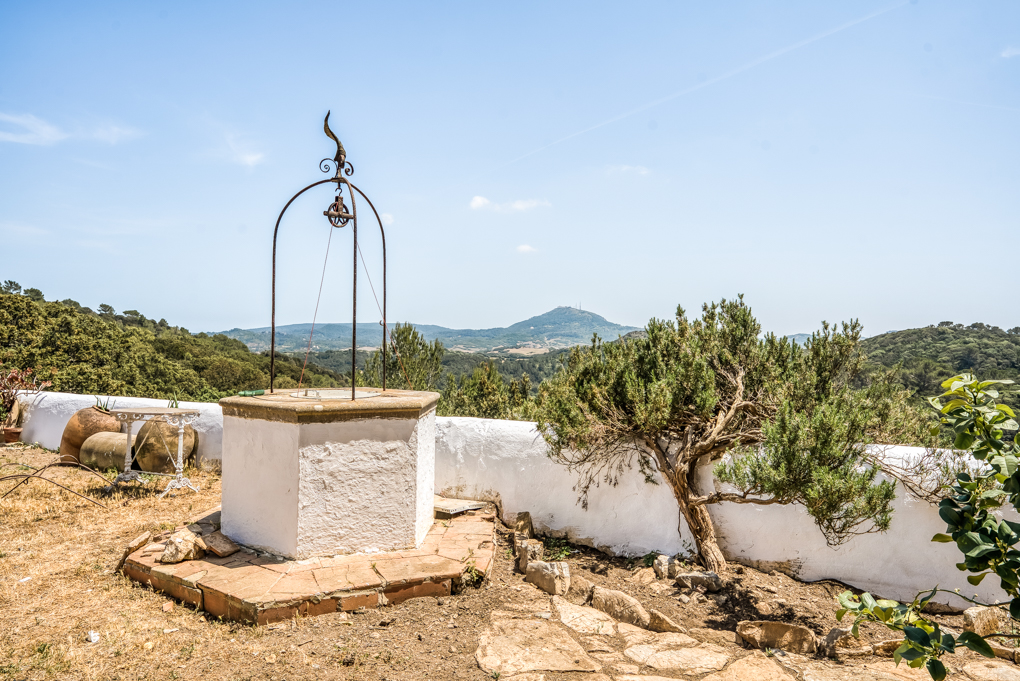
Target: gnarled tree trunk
683,483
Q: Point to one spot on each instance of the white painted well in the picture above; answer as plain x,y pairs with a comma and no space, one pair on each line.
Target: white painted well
316,489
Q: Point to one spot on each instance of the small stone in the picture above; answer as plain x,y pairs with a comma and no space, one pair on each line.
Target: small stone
771,589
220,544
527,551
661,566
92,637
620,606
982,621
886,648
675,567
271,659
552,578
828,644
789,637
182,545
147,645
763,609
523,527
659,622
684,599
167,607
133,545
692,580
644,576
580,590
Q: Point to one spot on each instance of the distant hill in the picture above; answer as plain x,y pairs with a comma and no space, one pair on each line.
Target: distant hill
935,353
560,328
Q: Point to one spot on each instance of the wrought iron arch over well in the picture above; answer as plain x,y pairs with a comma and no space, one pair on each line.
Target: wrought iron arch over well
339,215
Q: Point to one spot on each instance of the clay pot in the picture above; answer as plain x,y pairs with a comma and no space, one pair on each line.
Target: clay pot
104,451
84,424
153,441
12,435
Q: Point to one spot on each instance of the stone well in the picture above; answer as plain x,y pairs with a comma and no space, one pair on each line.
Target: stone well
315,473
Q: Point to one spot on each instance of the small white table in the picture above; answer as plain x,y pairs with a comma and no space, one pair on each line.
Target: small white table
170,415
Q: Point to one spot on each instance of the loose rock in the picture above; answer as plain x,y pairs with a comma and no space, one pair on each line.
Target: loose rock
182,545
661,566
644,576
982,621
828,644
527,551
133,545
789,637
691,580
220,544
660,622
620,606
580,590
523,528
552,578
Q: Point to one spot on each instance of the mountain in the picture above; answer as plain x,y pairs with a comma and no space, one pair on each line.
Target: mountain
560,328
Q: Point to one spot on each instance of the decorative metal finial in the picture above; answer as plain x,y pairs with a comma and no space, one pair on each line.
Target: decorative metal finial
340,160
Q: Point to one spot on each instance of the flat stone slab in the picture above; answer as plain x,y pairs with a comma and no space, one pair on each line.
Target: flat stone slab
447,508
515,646
258,588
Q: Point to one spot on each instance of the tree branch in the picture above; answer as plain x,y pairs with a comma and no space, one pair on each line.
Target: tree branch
735,498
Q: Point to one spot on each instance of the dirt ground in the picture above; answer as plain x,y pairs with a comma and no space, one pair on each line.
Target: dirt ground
57,584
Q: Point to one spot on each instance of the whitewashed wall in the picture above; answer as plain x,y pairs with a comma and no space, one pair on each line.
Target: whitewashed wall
47,413
506,461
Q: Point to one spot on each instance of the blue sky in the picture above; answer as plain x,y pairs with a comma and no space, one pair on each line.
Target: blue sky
827,159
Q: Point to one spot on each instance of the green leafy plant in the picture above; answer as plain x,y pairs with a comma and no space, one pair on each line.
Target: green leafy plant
969,409
556,548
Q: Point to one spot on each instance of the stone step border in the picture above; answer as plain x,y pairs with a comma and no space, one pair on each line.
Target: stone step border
258,588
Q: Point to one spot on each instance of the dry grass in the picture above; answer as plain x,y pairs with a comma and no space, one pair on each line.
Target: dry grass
69,547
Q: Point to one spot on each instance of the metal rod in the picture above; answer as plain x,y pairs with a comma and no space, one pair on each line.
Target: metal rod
354,307
382,231
276,231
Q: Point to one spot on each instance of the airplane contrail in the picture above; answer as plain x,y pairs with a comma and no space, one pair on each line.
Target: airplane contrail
729,74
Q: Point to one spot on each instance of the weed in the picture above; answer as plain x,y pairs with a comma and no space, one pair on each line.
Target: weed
557,548
649,558
187,652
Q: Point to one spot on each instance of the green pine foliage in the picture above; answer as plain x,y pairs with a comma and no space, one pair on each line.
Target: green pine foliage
85,352
694,390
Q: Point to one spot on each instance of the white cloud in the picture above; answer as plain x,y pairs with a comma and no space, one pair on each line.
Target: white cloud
632,170
1010,52
386,218
480,202
242,153
114,134
30,130
525,248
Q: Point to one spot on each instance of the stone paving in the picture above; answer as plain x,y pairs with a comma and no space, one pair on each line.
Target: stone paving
259,588
533,644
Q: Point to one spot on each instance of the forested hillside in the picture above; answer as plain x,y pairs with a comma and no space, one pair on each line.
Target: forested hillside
935,353
88,352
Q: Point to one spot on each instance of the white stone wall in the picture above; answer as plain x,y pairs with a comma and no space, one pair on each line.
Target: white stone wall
47,413
507,461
